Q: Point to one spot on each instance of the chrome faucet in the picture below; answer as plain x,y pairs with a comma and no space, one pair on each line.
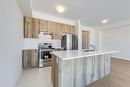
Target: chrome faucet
93,47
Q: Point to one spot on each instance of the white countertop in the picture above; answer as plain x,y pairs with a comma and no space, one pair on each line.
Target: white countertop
74,54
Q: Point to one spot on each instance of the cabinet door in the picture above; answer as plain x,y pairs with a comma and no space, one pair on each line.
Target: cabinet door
30,59
63,29
27,27
34,59
66,28
73,30
54,30
50,26
59,30
43,26
35,27
25,58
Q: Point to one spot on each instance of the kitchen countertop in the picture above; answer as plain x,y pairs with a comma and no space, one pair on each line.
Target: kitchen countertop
74,54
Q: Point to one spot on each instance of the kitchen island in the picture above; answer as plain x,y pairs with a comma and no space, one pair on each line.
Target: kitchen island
79,68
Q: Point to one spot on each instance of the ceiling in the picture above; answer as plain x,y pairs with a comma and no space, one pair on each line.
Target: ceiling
90,12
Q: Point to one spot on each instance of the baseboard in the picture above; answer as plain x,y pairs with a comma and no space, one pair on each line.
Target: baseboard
124,59
19,77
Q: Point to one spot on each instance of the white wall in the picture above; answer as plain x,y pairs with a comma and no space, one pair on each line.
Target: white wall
117,38
26,7
11,28
79,29
40,15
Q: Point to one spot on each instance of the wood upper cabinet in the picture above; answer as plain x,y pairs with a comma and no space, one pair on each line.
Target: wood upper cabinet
28,27
50,26
59,29
29,59
66,28
43,25
35,28
56,32
31,27
72,29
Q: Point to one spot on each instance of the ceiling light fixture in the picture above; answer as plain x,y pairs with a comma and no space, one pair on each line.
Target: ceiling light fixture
105,21
60,8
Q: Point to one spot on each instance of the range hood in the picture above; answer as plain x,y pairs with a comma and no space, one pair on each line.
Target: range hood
45,35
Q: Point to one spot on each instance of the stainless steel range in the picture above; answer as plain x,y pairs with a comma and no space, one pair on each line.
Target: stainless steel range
45,50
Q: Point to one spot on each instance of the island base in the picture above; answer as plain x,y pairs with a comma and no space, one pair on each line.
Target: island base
79,72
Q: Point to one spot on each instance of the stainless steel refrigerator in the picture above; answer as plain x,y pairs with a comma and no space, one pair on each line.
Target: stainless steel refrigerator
69,42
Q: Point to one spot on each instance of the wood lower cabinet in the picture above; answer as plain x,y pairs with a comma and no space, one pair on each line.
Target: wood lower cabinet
55,72
30,59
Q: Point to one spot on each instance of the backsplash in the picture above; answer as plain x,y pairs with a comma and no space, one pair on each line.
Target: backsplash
30,43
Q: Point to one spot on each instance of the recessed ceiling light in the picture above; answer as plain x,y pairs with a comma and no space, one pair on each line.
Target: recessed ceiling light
60,8
105,21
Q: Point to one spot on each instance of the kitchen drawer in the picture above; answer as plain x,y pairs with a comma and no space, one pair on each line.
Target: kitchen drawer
47,63
48,60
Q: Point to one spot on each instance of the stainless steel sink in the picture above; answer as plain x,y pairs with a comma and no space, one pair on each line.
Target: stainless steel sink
88,50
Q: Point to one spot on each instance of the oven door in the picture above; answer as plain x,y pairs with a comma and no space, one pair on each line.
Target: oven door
44,56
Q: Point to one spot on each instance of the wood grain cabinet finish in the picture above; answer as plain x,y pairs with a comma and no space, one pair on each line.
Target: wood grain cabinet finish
50,26
72,30
68,28
28,27
31,27
43,25
30,59
35,28
79,72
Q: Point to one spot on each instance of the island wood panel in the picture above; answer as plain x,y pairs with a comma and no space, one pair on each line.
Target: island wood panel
81,72
30,59
54,72
119,77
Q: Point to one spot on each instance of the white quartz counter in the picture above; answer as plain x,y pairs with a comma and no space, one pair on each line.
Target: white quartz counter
74,54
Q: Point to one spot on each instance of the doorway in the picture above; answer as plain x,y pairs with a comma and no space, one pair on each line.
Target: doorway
85,39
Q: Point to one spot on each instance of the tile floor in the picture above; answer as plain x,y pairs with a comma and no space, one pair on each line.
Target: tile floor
36,78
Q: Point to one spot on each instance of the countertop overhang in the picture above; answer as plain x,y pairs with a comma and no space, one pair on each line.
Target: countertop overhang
75,54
